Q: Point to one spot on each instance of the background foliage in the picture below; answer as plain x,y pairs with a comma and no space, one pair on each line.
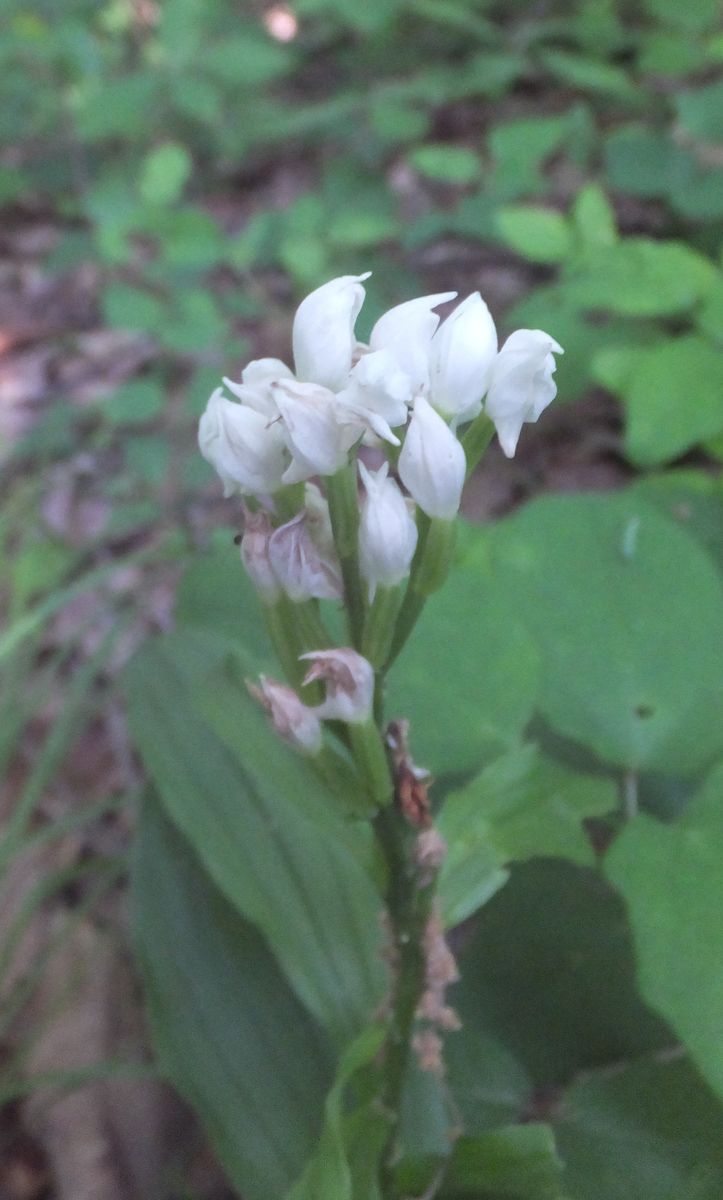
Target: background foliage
567,687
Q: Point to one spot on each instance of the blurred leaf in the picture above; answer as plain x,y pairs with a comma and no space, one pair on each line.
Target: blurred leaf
229,1032
673,399
672,877
588,74
650,1130
594,218
520,147
265,829
639,277
548,972
539,234
164,173
467,690
247,60
638,160
607,587
518,1162
445,163
693,499
328,1175
701,111
148,457
134,403
521,806
134,308
694,18
117,107
217,595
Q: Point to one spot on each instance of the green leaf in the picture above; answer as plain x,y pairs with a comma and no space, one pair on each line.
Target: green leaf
694,500
547,972
216,594
229,1032
639,160
265,829
672,878
639,277
594,218
134,308
673,399
519,1162
467,690
164,173
539,234
521,806
134,403
328,1175
519,148
447,164
701,111
650,1130
627,614
588,74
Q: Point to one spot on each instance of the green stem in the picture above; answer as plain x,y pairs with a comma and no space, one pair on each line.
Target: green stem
341,493
476,439
289,501
432,560
370,756
380,624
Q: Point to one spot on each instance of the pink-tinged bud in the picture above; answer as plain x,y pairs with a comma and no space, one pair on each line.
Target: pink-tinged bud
521,384
432,464
299,565
387,531
295,723
349,680
255,554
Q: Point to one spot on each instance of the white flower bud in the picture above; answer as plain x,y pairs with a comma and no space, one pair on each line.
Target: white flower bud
294,722
521,384
254,549
299,565
255,386
317,440
378,385
323,333
432,464
244,448
461,356
349,680
387,531
406,331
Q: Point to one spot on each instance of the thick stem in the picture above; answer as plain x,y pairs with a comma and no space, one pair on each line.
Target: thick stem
379,625
341,493
430,567
371,758
476,439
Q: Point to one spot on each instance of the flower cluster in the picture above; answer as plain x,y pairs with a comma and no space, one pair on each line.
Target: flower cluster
406,395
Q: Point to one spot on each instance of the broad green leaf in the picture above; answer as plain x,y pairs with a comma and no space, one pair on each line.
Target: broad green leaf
448,164
639,277
695,18
217,595
129,307
548,973
521,806
466,688
164,173
519,148
646,1131
639,160
134,403
588,74
328,1175
627,613
540,234
229,1032
671,877
516,1162
693,499
266,831
701,111
673,399
594,218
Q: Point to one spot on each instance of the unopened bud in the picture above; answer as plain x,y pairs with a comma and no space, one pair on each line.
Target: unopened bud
255,555
432,465
295,723
301,568
387,531
349,680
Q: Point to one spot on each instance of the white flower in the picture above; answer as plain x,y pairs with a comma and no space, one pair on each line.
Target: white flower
300,567
323,332
254,549
316,438
406,331
349,680
461,356
246,450
255,386
378,385
294,722
387,531
521,383
432,464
